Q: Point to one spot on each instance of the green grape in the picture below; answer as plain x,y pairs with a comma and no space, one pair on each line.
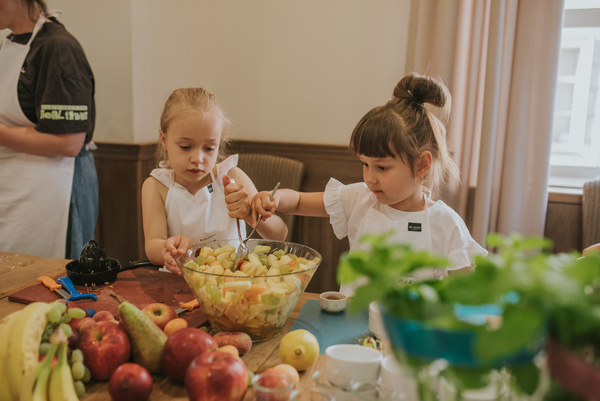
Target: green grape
79,388
78,370
66,329
65,318
61,307
76,355
54,315
76,313
87,375
47,331
44,347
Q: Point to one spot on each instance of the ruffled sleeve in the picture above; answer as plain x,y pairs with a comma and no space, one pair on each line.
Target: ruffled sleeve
226,165
335,209
222,170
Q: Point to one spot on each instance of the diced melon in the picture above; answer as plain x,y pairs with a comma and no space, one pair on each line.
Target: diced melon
209,259
285,259
223,256
261,249
229,248
252,258
272,260
216,269
261,270
205,251
273,272
227,265
238,285
198,279
250,269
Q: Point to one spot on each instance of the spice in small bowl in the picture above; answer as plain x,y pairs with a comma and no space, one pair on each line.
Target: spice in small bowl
333,301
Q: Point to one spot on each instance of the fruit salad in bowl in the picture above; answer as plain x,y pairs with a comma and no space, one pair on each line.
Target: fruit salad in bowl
256,295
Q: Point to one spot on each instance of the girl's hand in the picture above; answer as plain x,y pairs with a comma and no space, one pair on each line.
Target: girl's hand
263,205
177,245
237,199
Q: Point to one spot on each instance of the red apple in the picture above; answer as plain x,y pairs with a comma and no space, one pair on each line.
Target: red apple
130,382
105,346
216,376
183,346
160,313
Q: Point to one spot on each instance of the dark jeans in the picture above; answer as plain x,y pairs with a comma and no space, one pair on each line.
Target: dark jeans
83,211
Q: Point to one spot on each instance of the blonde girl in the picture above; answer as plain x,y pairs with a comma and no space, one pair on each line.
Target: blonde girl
402,146
191,198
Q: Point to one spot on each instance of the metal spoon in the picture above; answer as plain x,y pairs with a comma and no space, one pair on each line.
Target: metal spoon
242,251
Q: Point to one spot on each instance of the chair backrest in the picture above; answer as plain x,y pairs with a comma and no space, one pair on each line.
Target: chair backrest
591,213
266,170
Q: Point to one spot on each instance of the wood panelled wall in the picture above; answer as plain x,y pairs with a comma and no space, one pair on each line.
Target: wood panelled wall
122,168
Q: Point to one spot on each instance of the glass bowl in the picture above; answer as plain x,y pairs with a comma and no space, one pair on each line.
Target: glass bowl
258,297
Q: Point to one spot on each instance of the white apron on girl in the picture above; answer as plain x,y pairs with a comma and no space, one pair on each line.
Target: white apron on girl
34,190
203,216
415,231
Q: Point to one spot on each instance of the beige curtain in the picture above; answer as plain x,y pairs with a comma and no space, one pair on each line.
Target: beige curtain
499,59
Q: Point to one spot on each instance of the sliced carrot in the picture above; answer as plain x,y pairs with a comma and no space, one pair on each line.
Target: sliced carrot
243,265
294,261
252,294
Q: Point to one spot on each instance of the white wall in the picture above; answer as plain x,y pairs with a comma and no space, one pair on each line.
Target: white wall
302,71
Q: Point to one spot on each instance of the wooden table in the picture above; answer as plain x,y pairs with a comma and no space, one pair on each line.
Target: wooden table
20,271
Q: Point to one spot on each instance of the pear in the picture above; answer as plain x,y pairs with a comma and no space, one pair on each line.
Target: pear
147,339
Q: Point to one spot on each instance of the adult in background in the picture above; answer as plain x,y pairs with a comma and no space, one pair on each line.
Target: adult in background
48,181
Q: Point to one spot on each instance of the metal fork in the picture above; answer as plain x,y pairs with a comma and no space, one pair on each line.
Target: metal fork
242,251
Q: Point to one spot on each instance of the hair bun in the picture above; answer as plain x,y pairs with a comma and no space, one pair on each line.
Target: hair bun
422,89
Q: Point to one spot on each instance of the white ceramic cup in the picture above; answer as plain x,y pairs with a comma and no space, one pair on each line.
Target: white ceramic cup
394,376
376,322
349,363
333,301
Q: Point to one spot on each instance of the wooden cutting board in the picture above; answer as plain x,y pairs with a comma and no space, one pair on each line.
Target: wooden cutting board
140,287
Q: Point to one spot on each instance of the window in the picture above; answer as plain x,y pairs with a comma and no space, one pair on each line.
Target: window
575,155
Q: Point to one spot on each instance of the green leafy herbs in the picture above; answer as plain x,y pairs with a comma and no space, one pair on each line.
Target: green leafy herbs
537,292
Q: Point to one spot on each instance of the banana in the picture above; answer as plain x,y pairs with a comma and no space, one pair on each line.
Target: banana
5,329
42,376
23,344
61,379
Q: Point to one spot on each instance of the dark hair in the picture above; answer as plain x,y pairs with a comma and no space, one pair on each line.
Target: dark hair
404,128
33,5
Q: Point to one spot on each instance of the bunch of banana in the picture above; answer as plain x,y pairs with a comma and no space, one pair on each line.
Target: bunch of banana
20,370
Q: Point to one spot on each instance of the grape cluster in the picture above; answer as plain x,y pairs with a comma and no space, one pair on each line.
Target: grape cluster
58,318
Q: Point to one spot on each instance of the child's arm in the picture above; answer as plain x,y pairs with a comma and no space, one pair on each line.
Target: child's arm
155,227
238,196
595,247
288,201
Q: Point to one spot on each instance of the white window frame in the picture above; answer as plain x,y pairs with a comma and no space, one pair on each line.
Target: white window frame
573,163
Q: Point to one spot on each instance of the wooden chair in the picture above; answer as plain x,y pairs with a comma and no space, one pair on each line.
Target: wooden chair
266,170
591,213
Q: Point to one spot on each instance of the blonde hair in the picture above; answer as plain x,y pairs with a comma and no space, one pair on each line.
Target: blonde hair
404,128
187,101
